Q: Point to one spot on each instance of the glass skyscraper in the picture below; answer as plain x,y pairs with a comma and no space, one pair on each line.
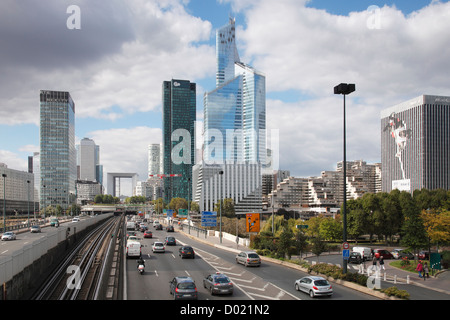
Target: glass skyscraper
234,112
179,115
415,144
58,163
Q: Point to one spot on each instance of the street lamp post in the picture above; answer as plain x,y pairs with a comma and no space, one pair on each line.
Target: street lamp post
344,89
220,194
4,201
28,188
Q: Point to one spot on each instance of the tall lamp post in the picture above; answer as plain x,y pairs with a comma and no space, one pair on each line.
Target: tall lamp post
221,198
344,89
4,201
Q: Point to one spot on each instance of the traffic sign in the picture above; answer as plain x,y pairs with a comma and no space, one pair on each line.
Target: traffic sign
346,254
209,219
345,246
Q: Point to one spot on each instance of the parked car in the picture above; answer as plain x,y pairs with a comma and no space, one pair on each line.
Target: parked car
218,283
186,251
402,253
8,236
355,257
170,241
35,229
170,229
383,253
314,286
158,247
248,258
183,288
148,234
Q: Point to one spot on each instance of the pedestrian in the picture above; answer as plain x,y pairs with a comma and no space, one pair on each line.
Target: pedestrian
419,268
425,271
382,263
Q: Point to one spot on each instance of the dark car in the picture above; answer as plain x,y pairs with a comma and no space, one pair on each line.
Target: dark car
148,234
383,253
355,257
183,288
186,251
170,241
170,229
218,284
159,227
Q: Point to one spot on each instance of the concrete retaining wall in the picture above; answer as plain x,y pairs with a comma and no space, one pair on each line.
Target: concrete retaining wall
27,268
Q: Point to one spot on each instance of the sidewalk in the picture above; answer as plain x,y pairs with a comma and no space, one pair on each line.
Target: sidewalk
440,282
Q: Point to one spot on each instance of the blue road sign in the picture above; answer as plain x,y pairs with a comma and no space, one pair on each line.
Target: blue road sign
209,219
346,254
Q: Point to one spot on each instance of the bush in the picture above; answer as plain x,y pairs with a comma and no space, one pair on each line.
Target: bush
394,291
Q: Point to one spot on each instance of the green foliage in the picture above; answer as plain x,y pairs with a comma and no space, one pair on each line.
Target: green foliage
394,291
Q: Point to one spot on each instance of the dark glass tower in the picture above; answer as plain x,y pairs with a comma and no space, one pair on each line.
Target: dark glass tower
57,148
179,115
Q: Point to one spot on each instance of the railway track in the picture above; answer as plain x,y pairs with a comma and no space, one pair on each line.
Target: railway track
79,277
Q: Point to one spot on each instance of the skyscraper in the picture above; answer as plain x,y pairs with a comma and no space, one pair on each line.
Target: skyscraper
88,158
234,131
415,144
179,114
57,148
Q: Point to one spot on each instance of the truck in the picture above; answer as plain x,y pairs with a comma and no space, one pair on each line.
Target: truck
131,225
366,253
133,249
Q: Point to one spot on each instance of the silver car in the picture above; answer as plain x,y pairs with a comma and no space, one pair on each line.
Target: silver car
158,247
248,258
314,286
35,228
9,236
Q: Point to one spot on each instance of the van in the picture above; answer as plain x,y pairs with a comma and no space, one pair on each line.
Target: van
133,249
130,225
366,253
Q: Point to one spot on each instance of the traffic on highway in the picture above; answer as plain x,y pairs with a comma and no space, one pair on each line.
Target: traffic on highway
241,276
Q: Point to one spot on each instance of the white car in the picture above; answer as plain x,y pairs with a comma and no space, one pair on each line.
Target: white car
75,219
8,236
158,247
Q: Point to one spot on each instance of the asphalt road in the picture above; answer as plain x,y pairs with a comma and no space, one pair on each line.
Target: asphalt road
267,282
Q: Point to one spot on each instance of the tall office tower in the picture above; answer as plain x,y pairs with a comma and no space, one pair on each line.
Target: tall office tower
88,158
179,114
57,148
415,144
234,127
234,112
154,159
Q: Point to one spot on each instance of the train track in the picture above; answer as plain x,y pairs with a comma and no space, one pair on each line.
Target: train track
79,277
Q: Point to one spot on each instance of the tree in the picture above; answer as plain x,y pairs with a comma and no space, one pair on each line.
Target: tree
285,242
331,229
227,207
318,246
178,203
437,225
413,229
300,241
195,207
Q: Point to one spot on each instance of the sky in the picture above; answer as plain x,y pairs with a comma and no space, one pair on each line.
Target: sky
113,56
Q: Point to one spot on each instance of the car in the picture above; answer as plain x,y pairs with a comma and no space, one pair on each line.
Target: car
54,222
382,253
133,238
158,247
355,257
131,233
143,228
183,288
186,251
155,223
159,227
424,255
8,236
170,241
218,283
75,220
170,229
35,229
248,258
148,234
314,286
402,253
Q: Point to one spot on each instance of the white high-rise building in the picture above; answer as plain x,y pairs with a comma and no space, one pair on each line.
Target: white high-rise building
87,158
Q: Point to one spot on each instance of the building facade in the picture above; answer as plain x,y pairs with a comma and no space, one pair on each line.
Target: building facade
58,167
16,191
179,115
88,161
415,144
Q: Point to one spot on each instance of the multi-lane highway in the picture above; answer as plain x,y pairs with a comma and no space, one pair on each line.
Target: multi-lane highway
267,282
